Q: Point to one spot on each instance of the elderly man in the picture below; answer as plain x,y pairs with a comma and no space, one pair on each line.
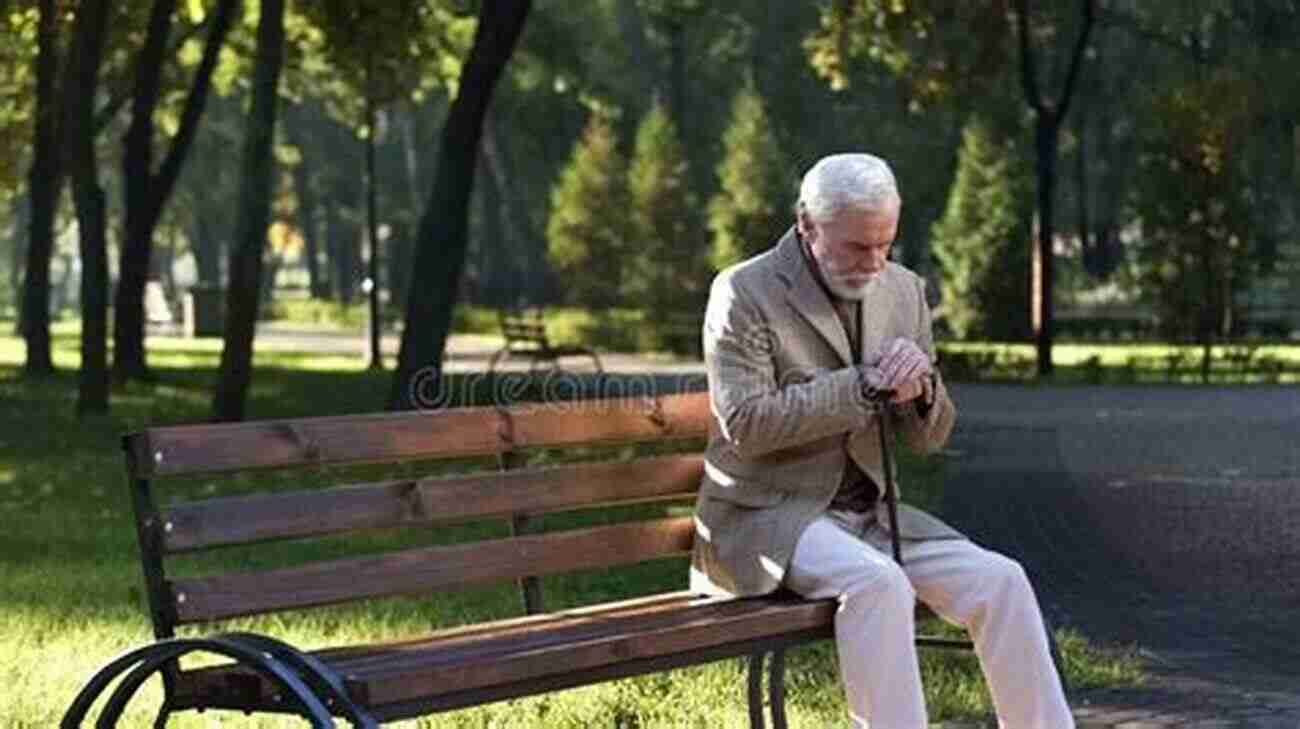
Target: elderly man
800,342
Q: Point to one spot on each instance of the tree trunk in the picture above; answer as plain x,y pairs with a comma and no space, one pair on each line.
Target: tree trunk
146,192
493,250
254,217
397,263
207,247
271,266
44,181
1045,137
372,231
508,214
343,240
308,205
1047,126
399,243
441,241
80,84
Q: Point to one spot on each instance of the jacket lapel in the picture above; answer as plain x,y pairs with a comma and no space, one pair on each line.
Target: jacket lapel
877,313
808,299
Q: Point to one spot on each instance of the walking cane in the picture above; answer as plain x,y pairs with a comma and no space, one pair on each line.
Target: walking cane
891,490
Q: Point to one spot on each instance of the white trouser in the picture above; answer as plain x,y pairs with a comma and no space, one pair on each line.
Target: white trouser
847,556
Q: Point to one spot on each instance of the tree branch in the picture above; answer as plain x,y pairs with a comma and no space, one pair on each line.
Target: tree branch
1076,62
119,97
1028,64
194,103
148,80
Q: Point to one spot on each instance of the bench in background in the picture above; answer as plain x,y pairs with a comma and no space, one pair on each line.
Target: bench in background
525,334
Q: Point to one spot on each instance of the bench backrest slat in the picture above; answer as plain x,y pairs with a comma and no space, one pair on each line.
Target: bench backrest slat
421,570
456,432
241,520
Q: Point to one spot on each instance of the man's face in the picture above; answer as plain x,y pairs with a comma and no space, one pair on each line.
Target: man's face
852,247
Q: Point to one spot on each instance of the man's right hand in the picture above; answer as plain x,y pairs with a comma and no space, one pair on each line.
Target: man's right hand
902,363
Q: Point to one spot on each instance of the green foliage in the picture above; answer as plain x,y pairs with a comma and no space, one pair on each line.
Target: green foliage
1194,192
384,51
941,51
667,271
982,242
662,208
17,91
750,209
587,232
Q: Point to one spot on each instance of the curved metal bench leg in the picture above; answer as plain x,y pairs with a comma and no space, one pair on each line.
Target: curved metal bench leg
127,689
164,713
776,688
153,657
323,679
756,690
97,683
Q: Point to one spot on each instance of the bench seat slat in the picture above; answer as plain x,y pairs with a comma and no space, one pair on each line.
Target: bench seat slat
421,570
454,432
543,647
242,520
621,641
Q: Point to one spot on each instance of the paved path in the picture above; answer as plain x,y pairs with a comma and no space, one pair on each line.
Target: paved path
1089,487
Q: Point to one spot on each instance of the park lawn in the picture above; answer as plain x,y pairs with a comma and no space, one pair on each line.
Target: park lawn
71,595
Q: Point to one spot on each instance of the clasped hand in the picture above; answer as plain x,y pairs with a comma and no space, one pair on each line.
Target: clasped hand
903,368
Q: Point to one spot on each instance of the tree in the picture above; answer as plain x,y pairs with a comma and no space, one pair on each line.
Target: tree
666,272
372,44
443,230
79,91
147,191
750,208
243,297
982,241
39,111
950,51
44,181
1049,115
1196,201
209,188
587,233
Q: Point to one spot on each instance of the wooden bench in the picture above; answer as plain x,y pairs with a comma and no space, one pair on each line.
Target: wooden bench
451,668
525,334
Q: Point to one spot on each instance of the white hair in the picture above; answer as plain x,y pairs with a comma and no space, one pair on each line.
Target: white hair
847,181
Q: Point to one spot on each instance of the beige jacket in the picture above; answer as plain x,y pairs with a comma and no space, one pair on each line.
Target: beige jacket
785,396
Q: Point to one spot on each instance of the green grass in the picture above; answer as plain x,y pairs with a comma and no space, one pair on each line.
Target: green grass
70,587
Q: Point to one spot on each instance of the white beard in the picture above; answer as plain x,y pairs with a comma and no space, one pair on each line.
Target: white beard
845,291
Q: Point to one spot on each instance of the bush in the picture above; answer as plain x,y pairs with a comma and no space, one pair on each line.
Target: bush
750,209
587,231
982,243
323,311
